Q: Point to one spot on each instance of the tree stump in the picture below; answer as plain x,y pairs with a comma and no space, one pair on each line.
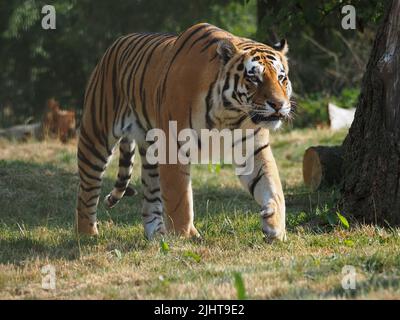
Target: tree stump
322,166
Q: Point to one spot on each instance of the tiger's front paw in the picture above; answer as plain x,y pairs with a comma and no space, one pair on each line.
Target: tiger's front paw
85,226
273,220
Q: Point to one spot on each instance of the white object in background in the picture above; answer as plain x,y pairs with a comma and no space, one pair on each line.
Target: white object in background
340,118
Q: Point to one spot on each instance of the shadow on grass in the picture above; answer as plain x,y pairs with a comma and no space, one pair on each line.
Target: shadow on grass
37,210
38,203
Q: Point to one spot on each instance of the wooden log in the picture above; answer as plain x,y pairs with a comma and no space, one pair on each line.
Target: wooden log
23,132
322,166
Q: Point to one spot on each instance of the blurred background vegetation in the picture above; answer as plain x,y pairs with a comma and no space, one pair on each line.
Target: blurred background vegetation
327,62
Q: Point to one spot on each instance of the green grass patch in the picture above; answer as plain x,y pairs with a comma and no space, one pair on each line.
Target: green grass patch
38,184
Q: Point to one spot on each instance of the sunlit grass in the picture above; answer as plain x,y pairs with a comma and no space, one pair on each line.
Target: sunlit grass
38,183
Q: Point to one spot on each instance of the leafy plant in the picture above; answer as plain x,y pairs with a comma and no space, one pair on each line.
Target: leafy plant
239,285
343,220
164,246
192,255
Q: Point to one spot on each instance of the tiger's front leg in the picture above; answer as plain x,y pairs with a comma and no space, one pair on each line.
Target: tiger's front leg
264,184
177,199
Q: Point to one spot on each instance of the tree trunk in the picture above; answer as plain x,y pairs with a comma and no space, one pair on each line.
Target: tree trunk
371,168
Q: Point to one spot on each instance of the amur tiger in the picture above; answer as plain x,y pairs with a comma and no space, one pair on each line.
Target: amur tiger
203,78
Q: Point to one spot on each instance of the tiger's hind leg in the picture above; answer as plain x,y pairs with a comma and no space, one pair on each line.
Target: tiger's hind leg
152,210
121,187
93,156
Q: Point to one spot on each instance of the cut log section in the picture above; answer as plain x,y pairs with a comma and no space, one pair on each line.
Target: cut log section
322,167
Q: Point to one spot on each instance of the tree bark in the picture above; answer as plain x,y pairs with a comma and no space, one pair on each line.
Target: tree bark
371,168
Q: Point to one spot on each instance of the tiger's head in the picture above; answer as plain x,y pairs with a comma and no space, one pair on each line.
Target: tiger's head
255,83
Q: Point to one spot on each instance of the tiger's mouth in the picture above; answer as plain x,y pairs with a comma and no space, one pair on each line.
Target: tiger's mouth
257,117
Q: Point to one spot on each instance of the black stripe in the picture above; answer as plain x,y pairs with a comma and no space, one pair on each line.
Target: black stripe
93,197
226,83
198,29
156,44
128,155
253,184
210,123
191,127
236,82
87,205
152,220
92,166
253,134
149,166
112,200
209,44
152,200
205,35
154,190
126,163
91,148
121,185
88,175
90,189
238,123
258,150
124,178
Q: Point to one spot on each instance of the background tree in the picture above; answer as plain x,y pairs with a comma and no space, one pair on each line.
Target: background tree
371,189
324,56
36,64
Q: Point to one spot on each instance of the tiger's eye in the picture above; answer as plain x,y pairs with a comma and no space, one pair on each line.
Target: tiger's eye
252,79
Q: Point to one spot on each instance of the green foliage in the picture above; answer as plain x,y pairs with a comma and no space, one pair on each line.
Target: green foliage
164,246
333,218
237,17
313,108
192,255
38,64
239,285
323,55
343,220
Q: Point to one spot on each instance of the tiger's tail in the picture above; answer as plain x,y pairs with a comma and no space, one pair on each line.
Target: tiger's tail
121,186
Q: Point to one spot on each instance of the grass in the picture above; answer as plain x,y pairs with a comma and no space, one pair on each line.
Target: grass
38,183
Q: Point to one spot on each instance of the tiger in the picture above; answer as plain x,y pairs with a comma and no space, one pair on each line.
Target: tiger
203,78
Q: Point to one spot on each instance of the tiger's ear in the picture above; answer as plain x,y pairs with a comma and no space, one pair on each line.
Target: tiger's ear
226,50
281,46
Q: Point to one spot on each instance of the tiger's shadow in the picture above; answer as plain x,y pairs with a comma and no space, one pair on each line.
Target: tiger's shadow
37,209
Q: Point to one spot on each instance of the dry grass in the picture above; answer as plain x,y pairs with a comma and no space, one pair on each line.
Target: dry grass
37,190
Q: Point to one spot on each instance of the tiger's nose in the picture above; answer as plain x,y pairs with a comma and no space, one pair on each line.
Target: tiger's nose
277,105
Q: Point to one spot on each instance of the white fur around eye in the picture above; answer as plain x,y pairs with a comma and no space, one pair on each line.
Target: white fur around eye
254,68
289,89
